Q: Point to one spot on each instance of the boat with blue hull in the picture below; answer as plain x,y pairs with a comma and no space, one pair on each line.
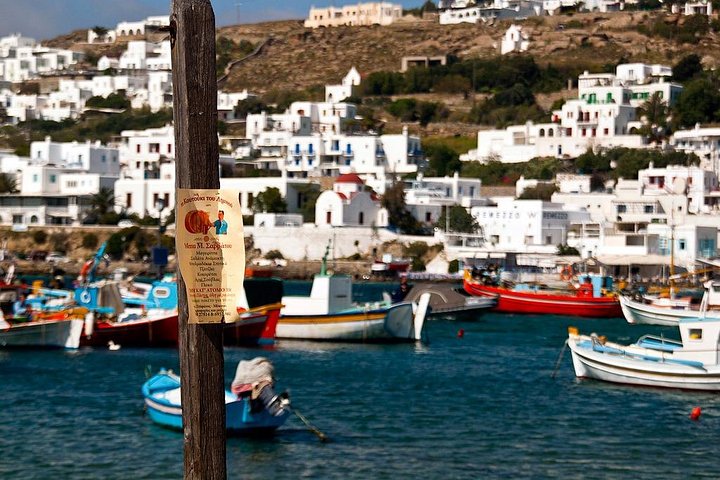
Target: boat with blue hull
245,415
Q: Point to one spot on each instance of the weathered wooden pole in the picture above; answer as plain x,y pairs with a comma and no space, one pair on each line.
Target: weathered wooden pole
192,29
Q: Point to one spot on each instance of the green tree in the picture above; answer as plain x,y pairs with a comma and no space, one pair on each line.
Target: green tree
699,102
8,183
542,191
458,220
116,100
565,250
102,204
687,68
442,159
308,198
99,31
398,215
270,201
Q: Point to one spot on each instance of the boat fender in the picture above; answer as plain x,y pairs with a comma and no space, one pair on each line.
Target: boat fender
89,324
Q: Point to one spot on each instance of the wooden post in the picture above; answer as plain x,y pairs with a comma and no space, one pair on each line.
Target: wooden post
192,30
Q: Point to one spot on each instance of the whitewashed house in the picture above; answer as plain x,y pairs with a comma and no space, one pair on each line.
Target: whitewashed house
514,40
348,204
703,142
358,14
338,93
428,197
604,116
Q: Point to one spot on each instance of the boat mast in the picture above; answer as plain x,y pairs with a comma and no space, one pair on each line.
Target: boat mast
323,266
671,280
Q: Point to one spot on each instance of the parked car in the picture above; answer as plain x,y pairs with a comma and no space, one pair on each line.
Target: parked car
126,223
56,257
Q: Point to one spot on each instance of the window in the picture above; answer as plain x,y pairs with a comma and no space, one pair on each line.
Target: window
428,217
682,244
17,219
328,218
695,334
361,218
622,208
34,219
250,200
128,200
606,131
648,209
137,148
548,239
35,178
53,178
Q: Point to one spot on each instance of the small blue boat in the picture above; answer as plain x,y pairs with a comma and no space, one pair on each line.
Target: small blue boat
243,415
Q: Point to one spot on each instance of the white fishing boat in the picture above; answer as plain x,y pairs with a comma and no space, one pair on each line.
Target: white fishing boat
59,331
690,364
330,314
641,310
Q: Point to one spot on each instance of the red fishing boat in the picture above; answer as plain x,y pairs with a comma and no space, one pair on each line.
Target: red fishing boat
580,302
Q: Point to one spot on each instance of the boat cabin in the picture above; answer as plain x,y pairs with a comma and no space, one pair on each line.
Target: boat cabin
329,294
700,340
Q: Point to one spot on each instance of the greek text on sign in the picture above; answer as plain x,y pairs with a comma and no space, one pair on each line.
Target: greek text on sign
211,253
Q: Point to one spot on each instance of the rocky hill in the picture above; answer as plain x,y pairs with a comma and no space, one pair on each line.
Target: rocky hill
296,57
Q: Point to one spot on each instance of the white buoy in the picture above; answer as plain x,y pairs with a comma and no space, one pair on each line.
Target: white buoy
113,346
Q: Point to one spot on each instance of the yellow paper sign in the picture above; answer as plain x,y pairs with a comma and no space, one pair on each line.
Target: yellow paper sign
211,252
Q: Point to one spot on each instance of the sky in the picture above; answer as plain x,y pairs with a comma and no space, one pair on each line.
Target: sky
46,19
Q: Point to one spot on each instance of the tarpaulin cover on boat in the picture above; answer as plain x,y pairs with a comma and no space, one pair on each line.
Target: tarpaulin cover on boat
253,371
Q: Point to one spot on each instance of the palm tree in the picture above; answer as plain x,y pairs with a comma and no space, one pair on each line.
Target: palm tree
102,202
655,110
8,183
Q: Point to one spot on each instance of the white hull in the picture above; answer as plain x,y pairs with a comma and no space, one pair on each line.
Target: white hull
58,334
365,330
634,371
396,323
641,313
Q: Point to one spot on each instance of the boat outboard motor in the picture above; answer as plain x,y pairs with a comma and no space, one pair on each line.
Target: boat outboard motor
267,399
255,378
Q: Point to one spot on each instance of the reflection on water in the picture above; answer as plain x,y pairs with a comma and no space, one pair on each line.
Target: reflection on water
480,406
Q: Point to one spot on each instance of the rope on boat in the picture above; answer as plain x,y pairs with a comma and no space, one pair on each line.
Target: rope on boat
560,357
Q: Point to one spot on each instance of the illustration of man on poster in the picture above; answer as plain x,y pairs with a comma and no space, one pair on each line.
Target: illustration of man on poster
220,224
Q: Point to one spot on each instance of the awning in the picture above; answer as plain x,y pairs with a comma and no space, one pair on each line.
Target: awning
651,259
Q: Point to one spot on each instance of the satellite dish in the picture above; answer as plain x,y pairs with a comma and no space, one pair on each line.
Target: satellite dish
679,185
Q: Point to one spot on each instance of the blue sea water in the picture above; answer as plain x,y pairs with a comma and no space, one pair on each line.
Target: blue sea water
481,406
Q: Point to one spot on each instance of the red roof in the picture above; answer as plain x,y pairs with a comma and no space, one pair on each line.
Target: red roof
349,178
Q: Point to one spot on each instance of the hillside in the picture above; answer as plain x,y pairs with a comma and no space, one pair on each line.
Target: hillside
297,57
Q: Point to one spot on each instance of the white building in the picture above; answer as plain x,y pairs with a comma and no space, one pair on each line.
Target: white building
348,204
514,40
56,183
603,117
529,226
703,142
140,195
371,13
338,93
428,197
700,7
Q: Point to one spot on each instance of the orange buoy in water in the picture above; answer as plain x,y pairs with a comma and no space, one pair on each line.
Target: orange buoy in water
695,414
461,333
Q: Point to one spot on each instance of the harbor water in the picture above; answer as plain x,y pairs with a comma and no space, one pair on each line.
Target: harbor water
483,405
